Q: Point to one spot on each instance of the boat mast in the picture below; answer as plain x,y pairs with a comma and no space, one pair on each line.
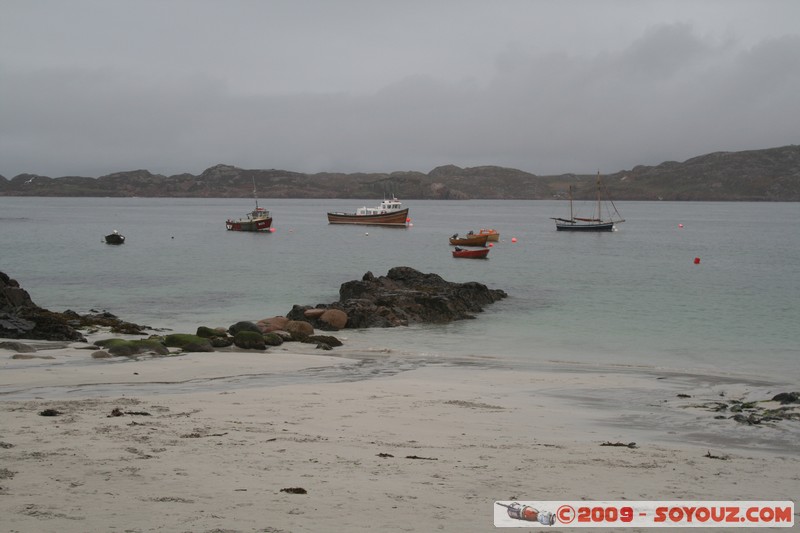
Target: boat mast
255,196
599,207
571,216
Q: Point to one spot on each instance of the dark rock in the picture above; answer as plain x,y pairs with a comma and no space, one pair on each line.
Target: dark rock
13,296
324,339
220,342
787,397
20,318
298,312
751,419
406,296
244,325
249,340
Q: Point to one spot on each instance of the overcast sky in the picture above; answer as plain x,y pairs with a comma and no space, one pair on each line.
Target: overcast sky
94,87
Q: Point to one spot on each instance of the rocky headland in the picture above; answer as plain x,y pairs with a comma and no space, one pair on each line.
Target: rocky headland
404,296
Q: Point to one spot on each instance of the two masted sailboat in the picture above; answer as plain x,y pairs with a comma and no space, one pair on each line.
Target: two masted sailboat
602,218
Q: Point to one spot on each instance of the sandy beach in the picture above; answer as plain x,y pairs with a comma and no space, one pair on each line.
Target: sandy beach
140,446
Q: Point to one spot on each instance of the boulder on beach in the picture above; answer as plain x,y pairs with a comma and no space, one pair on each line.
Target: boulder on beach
244,325
299,329
334,318
315,312
275,323
188,343
249,340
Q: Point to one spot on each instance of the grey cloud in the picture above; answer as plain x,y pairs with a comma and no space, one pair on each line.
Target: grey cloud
670,93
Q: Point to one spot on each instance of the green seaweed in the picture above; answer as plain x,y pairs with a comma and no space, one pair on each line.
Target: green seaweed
128,348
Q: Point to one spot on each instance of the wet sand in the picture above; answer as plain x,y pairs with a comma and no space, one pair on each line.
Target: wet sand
284,442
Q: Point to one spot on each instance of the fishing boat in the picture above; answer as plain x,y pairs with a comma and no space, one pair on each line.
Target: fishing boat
599,221
390,213
493,234
115,238
471,239
258,219
473,253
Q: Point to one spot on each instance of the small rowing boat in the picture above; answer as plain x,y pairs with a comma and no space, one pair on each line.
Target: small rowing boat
470,240
475,253
493,234
115,238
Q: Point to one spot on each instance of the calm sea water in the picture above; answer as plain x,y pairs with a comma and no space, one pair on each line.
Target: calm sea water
632,297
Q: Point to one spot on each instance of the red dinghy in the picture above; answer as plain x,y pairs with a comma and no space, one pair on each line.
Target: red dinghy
478,253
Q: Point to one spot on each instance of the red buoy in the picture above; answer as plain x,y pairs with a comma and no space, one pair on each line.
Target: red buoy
696,260
513,239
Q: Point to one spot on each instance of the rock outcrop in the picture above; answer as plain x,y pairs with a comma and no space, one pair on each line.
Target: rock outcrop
21,318
404,296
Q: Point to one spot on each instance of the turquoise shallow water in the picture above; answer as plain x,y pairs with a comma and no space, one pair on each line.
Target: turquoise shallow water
633,297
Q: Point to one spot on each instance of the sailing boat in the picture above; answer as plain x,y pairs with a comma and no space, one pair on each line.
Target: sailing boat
258,219
597,222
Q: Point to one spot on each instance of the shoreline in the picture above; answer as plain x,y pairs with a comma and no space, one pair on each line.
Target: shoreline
208,441
639,400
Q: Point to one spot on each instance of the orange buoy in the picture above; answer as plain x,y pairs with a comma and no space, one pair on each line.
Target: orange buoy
696,260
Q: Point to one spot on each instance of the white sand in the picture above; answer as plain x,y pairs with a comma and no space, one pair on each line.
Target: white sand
457,439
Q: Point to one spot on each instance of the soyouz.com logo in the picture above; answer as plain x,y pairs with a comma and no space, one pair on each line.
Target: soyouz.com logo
624,513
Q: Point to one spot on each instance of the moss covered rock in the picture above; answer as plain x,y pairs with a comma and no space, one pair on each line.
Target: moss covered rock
249,340
210,333
129,348
188,343
273,339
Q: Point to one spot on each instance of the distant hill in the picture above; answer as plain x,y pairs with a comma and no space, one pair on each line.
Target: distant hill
755,175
